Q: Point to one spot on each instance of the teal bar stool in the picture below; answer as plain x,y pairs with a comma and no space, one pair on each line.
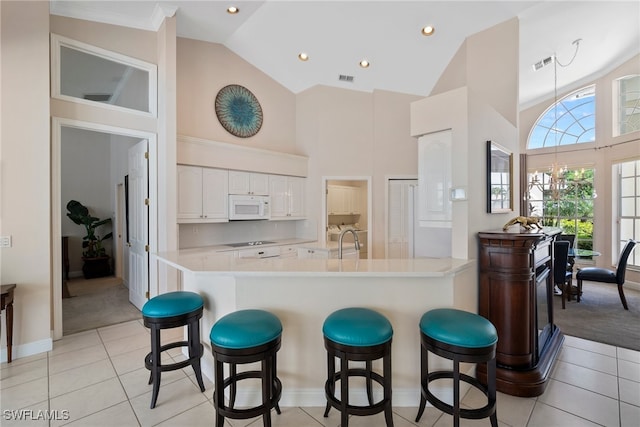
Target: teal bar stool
364,335
462,337
172,310
241,337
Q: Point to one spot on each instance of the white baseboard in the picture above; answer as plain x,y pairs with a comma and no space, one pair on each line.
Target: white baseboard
632,285
28,349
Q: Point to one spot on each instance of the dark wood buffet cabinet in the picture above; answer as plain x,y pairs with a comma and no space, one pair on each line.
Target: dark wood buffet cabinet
516,271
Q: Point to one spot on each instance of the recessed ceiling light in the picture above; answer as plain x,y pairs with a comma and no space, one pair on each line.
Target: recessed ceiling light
232,10
303,56
364,63
428,30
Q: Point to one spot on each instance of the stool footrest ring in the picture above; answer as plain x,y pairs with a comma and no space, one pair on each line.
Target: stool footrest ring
173,366
329,389
230,412
473,414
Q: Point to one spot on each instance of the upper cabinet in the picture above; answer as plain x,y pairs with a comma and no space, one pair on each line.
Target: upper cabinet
434,179
248,183
202,194
343,200
287,197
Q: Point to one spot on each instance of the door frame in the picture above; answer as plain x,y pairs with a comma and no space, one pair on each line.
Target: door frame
57,123
323,222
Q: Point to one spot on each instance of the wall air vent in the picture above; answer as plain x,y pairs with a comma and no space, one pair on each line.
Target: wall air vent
345,78
98,97
543,63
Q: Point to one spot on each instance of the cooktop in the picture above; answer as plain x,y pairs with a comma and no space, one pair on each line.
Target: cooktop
256,243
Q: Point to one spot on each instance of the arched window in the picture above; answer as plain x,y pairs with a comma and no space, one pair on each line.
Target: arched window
571,120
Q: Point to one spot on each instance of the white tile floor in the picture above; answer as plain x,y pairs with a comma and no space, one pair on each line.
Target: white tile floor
97,378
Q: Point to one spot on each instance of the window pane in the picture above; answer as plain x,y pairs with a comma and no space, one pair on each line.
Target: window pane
628,169
568,203
627,187
98,76
626,228
628,104
628,206
570,121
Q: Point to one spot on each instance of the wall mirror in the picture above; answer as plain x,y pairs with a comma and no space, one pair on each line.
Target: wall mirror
87,74
499,178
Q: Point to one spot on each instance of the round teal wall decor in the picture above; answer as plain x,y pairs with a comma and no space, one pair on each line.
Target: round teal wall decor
238,111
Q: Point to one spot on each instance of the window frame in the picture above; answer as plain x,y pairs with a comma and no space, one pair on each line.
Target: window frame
58,42
616,106
559,141
618,243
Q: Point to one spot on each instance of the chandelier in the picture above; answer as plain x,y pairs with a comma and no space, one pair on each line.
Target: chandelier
557,173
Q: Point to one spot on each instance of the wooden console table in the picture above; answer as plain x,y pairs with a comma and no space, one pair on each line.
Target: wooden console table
6,302
514,265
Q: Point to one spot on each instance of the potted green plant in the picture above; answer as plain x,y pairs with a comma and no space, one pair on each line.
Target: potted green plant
94,254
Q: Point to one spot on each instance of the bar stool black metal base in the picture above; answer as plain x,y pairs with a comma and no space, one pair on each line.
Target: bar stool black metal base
365,354
458,354
271,384
196,350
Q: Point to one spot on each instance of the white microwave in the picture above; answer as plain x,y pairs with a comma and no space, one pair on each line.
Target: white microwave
248,207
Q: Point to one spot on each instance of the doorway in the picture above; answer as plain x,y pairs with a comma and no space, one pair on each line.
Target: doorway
347,205
91,134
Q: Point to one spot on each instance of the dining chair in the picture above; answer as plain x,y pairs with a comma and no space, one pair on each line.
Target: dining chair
561,276
571,238
604,275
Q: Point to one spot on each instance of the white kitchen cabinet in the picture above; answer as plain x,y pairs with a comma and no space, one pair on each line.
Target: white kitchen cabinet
348,252
308,253
434,179
248,183
343,200
287,197
202,194
259,252
289,251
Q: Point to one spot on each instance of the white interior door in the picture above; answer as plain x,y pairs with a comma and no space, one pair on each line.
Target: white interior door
398,216
138,224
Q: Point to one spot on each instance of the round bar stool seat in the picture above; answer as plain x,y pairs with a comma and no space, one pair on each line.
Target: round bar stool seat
364,335
461,337
241,337
172,310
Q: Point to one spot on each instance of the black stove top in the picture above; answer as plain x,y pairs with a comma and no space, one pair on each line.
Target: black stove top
256,243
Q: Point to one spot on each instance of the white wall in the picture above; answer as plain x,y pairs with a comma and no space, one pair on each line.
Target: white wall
477,110
348,133
25,210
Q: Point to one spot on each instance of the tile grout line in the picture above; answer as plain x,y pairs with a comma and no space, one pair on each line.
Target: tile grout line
135,414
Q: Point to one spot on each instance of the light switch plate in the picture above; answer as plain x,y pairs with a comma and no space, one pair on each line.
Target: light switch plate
5,242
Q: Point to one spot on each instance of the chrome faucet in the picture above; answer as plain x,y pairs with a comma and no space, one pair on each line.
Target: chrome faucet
355,241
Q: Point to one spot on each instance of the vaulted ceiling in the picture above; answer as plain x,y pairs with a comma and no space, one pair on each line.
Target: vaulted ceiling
337,35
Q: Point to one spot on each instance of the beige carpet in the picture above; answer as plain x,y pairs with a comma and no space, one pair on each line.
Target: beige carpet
95,303
599,316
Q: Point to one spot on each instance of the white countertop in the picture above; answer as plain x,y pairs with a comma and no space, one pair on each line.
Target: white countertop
227,248
207,261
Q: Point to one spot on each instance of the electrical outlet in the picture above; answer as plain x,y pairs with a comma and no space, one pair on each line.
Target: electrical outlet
5,242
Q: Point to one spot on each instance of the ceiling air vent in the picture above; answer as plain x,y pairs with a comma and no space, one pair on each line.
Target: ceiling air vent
98,97
345,78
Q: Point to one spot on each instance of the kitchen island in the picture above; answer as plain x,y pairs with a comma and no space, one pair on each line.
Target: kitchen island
303,292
